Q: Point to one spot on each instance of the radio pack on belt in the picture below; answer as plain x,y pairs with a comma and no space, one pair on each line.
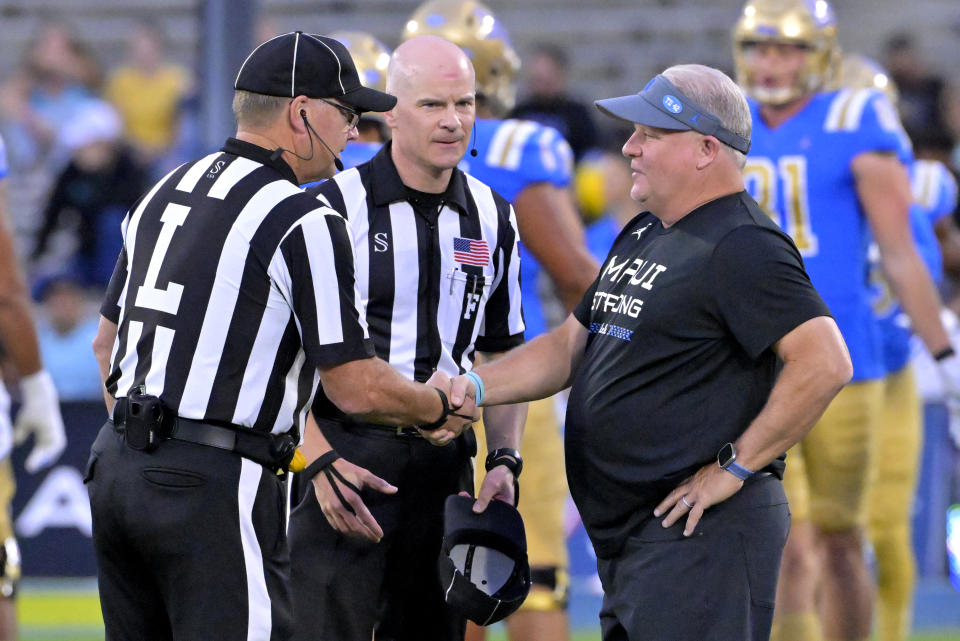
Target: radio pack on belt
143,424
146,423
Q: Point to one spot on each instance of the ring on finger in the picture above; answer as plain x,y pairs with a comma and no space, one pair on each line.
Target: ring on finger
683,499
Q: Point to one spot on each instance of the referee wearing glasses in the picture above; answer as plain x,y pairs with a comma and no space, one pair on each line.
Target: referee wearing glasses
233,295
438,267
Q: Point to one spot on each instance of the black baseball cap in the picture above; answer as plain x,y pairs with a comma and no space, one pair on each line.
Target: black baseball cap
662,105
483,561
307,64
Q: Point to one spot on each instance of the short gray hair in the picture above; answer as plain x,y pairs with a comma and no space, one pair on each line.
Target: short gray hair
717,93
256,109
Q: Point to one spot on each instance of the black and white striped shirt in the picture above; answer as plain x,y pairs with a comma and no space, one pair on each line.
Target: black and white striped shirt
438,279
233,285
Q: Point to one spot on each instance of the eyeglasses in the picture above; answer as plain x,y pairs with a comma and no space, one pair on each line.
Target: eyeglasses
352,115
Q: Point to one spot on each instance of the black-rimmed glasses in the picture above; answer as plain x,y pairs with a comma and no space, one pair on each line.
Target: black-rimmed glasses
352,115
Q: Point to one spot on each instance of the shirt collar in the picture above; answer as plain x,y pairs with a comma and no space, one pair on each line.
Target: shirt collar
389,188
256,153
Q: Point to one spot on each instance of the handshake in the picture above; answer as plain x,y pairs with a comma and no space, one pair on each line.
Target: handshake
459,412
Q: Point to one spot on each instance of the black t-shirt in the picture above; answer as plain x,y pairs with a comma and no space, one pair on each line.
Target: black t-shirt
679,359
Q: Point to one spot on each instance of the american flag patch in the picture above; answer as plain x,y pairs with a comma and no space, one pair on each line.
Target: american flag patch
471,252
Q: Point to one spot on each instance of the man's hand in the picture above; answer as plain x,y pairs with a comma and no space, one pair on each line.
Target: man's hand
40,415
465,413
462,390
441,381
338,487
498,484
709,486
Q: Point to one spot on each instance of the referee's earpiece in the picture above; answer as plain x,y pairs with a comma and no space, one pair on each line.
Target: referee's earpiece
473,152
336,159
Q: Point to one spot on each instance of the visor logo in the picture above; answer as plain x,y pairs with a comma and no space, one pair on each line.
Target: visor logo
671,104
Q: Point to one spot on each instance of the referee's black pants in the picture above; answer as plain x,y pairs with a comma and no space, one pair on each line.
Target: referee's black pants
190,543
719,584
347,589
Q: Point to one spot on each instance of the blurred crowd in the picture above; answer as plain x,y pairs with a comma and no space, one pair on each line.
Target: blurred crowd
84,140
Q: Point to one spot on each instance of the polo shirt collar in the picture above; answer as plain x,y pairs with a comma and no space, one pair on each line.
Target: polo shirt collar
256,153
389,188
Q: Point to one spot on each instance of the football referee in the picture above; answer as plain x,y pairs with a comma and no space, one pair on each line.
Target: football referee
438,267
233,295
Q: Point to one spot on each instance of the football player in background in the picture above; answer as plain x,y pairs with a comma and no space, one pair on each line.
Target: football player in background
830,166
39,413
371,57
531,166
898,440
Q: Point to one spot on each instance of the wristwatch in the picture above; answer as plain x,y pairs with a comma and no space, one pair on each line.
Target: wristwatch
727,460
506,456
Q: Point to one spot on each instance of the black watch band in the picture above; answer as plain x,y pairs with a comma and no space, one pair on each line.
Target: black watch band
506,456
447,413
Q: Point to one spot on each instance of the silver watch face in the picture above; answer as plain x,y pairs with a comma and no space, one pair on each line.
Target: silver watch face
726,455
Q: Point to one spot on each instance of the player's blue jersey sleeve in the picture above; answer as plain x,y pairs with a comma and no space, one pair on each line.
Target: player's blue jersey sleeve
934,189
926,241
355,153
870,122
4,168
513,154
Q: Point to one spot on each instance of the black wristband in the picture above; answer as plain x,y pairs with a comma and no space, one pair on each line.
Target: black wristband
437,424
507,457
321,463
944,353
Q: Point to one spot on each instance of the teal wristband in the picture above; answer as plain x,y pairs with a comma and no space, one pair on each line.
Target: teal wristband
477,383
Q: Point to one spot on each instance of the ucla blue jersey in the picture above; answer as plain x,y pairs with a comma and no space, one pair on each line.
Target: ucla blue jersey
599,236
512,154
800,173
934,197
4,168
355,153
934,188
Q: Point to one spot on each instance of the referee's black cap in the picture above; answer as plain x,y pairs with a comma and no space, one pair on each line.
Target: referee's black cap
483,562
297,63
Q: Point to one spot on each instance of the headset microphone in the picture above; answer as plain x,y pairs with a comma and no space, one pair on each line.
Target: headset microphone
473,136
336,159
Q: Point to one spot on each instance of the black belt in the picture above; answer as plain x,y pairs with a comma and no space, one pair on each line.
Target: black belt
372,428
383,430
258,447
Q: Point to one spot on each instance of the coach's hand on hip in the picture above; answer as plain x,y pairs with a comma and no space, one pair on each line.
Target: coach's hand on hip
709,486
339,497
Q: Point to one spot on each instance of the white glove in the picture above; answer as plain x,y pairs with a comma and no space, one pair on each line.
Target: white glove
40,415
949,370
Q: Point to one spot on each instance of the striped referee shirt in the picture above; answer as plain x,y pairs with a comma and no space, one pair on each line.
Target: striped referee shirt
233,285
438,280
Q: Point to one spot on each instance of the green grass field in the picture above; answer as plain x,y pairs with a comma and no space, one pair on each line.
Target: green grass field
74,615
